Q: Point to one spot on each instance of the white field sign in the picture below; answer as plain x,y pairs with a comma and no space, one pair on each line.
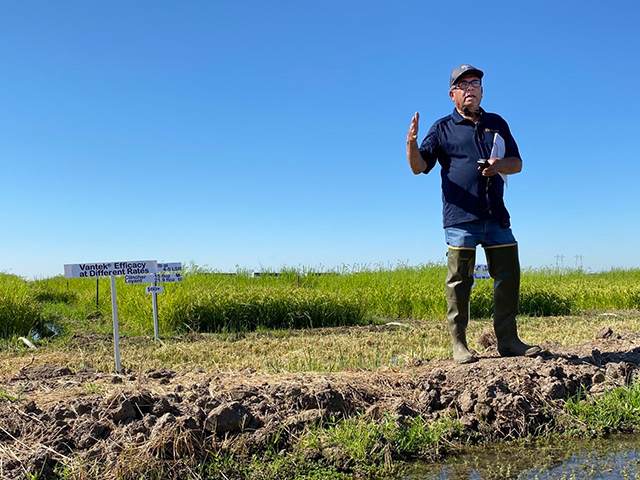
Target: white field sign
108,269
170,267
481,272
166,273
112,270
174,275
153,278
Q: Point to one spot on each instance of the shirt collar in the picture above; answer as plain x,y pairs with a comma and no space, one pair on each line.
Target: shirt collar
457,118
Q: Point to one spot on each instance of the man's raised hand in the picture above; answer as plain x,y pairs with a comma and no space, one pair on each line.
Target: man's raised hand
413,129
416,162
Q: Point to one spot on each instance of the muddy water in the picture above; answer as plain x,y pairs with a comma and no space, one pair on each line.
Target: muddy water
615,458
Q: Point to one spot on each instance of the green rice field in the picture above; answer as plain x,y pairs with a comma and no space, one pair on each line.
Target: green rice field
209,301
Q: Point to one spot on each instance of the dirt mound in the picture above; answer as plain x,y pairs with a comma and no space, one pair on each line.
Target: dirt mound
50,415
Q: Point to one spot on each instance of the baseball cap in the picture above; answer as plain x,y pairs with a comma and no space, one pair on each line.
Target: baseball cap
463,70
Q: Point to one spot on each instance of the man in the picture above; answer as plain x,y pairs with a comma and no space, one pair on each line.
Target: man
473,208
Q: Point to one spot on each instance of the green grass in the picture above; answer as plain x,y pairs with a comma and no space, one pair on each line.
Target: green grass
617,410
20,311
365,441
211,307
293,299
276,323
342,450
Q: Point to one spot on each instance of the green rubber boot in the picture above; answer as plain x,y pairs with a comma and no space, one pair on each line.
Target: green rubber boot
460,264
504,268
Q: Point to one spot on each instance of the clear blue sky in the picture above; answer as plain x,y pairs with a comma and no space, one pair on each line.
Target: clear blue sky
262,134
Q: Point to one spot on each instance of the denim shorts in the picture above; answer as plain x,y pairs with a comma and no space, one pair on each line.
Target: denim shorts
488,233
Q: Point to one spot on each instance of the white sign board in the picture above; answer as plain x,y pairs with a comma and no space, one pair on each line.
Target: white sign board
166,272
131,279
112,270
108,269
168,277
481,272
170,267
155,277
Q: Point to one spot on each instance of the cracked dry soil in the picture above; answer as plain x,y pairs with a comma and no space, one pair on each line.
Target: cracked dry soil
61,416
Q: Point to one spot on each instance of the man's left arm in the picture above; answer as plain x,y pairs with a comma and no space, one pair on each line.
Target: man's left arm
511,162
506,166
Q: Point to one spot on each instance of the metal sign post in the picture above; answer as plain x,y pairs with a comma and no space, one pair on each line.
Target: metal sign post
154,299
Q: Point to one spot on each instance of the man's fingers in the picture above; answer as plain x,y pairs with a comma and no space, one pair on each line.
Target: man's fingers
414,122
413,133
413,129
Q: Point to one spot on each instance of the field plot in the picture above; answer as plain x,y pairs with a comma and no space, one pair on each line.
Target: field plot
301,375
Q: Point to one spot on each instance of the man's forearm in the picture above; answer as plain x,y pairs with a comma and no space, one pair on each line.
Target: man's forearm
509,165
416,162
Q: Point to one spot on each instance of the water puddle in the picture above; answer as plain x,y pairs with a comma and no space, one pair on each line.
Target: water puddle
44,331
614,458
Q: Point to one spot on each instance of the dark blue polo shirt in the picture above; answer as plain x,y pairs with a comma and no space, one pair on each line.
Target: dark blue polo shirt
457,144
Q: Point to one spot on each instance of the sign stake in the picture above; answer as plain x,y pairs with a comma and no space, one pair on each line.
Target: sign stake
155,314
116,335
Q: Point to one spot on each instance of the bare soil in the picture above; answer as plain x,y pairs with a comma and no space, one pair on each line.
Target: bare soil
52,416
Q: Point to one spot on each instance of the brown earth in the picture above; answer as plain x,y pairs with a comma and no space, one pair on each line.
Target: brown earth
51,415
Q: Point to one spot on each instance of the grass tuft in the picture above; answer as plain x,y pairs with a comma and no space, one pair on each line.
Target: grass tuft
617,410
19,311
